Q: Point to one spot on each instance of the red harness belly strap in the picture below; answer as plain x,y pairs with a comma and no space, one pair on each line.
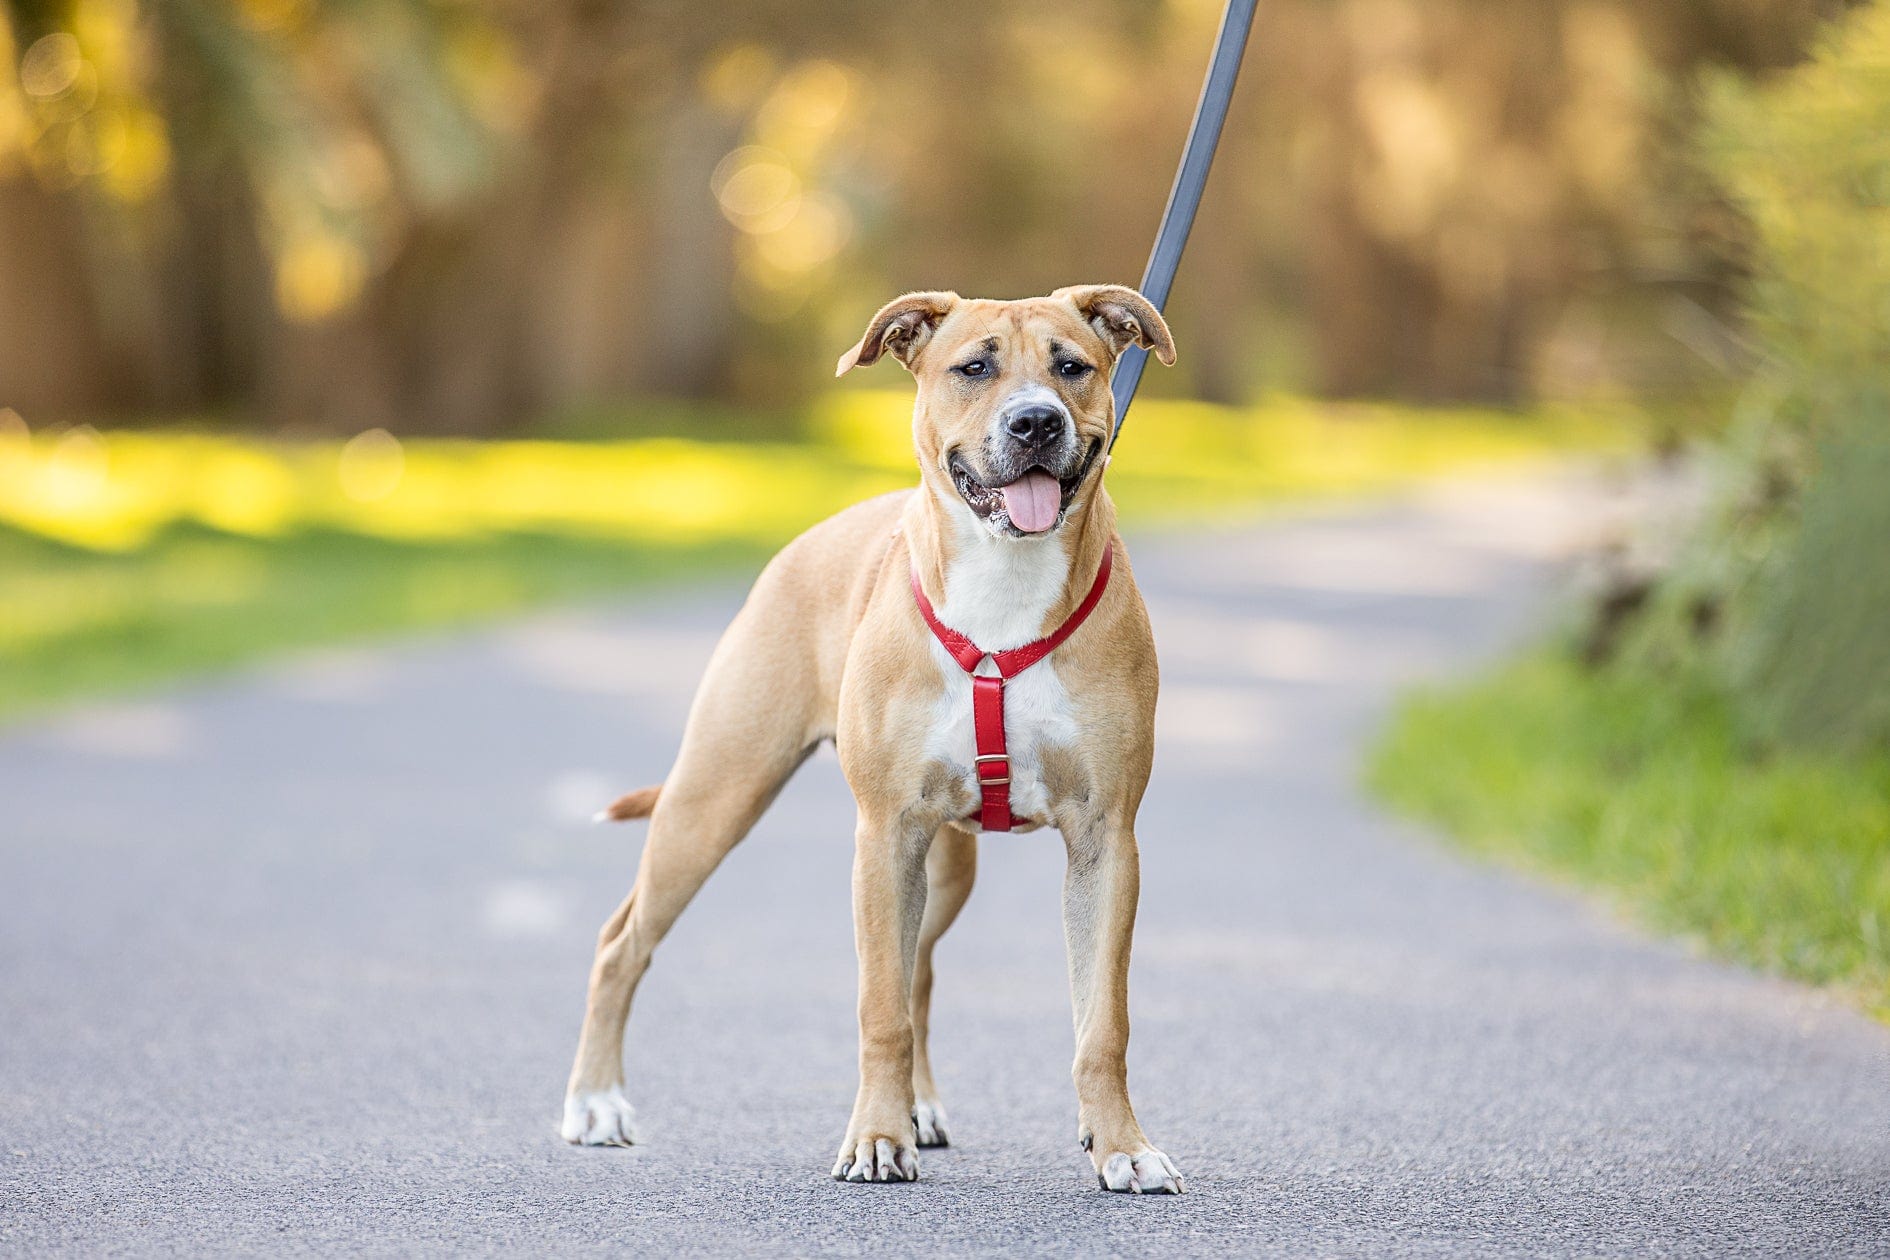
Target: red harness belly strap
987,691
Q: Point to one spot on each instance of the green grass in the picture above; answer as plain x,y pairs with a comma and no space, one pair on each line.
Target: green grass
1640,788
77,622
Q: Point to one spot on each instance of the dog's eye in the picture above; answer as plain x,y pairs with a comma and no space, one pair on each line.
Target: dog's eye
1074,367
977,367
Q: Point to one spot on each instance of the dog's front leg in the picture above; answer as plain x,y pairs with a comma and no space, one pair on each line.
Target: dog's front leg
888,907
1100,890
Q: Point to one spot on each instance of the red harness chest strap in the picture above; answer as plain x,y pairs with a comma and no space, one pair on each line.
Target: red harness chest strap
987,691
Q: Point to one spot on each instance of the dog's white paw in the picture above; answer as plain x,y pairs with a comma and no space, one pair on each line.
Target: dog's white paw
929,1119
599,1117
877,1159
1148,1171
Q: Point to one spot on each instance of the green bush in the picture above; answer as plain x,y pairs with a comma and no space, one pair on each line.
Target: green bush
1783,597
1806,158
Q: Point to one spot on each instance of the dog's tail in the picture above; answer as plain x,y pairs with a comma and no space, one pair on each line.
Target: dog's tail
637,804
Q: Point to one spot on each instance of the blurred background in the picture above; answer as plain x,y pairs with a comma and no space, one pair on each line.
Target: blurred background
475,216
328,317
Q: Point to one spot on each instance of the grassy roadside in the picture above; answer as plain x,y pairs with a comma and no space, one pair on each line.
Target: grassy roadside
127,558
1645,793
76,622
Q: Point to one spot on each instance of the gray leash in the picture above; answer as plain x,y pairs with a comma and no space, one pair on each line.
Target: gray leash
1185,197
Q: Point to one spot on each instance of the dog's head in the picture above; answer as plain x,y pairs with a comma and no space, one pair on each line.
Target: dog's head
1014,411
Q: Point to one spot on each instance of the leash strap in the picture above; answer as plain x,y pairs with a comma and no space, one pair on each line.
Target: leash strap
987,690
1184,197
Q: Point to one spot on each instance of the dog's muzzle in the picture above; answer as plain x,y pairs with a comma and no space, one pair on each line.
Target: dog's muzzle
1026,490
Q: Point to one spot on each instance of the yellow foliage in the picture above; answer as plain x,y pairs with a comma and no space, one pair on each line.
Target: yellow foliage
317,275
115,491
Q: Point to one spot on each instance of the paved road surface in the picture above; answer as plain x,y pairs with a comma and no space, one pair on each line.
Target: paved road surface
294,962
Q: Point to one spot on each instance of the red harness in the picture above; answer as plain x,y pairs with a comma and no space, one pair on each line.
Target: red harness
987,691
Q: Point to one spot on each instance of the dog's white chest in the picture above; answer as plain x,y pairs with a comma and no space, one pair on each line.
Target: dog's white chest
1037,713
997,595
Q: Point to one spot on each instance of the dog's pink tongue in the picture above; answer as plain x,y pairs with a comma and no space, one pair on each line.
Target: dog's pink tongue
1032,501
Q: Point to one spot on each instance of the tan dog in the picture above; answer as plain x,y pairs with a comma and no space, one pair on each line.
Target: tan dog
1006,534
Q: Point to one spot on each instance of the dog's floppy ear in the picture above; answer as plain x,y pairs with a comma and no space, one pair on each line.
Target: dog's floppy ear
1122,317
902,326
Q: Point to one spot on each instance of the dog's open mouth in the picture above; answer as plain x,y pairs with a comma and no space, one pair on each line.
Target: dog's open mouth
1031,503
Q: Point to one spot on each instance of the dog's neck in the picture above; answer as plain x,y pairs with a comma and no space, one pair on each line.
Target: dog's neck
1004,592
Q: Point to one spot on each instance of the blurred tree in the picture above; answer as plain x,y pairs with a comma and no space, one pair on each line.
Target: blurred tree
457,214
202,177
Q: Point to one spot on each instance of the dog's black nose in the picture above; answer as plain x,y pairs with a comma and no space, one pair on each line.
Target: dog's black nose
1035,426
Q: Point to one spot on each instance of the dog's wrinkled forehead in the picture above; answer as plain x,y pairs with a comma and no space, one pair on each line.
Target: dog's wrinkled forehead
1021,334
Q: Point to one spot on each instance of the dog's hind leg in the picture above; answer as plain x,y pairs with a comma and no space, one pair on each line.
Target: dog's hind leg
745,738
950,868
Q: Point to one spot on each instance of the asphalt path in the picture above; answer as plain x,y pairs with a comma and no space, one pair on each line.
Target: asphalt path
294,962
